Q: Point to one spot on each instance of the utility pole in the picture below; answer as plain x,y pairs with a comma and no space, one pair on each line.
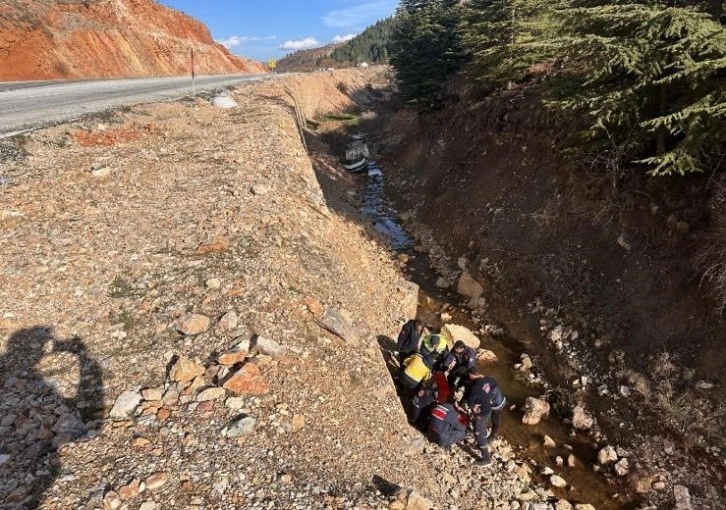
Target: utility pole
194,85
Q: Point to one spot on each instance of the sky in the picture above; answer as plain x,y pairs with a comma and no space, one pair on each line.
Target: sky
265,29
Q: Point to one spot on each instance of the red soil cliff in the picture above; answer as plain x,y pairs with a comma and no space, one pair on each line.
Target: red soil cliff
48,39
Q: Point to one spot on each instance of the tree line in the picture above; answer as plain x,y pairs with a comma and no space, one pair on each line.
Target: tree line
370,46
647,77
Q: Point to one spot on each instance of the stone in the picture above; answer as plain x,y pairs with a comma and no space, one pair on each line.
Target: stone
218,245
213,284
269,347
607,455
580,419
228,322
213,393
563,504
163,414
621,467
242,426
468,286
407,297
224,102
4,459
148,505
125,405
584,506
642,484
443,283
558,481
454,332
548,442
192,324
111,501
152,394
232,357
526,363
571,461
260,189
416,501
131,490
156,480
141,442
102,173
534,410
486,356
298,422
235,403
704,385
333,321
682,497
184,371
247,381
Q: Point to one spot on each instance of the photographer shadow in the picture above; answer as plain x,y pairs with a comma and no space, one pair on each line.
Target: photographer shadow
36,419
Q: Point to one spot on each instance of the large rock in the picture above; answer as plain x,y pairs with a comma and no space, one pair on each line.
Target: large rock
580,419
682,497
417,502
558,481
408,297
212,393
185,370
192,324
468,286
232,357
333,321
125,405
534,410
247,381
228,322
622,468
454,332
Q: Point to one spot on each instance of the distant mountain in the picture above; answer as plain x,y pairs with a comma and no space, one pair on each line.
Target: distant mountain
305,60
48,39
369,46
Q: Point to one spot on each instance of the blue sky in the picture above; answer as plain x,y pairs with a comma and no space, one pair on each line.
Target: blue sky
264,29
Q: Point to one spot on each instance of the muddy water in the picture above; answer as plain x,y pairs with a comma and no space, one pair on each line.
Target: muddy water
586,485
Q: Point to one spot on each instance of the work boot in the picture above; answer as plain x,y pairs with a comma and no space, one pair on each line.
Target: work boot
485,459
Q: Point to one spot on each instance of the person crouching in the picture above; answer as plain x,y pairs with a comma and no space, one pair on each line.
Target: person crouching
445,428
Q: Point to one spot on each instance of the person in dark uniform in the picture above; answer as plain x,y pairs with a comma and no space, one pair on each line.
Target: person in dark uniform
408,339
422,402
445,428
484,388
459,362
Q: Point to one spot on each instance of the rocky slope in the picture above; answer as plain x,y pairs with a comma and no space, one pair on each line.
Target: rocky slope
50,39
185,323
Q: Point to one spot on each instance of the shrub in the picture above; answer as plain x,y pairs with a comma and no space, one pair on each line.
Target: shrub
711,258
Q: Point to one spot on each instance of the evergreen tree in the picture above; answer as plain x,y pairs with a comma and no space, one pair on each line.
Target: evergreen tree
651,78
426,49
370,46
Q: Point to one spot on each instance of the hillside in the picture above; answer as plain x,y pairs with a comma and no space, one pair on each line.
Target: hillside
47,39
369,46
305,61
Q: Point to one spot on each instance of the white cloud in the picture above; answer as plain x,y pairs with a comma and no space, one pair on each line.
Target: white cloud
360,15
342,38
300,44
236,40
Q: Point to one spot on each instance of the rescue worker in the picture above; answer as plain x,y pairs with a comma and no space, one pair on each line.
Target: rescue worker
436,346
486,389
408,339
421,403
458,362
416,374
445,428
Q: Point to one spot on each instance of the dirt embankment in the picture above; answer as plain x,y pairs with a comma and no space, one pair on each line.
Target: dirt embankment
42,40
593,276
171,277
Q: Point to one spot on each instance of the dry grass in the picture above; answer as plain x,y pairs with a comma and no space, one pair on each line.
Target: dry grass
711,258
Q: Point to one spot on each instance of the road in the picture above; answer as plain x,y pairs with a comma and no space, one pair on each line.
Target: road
30,105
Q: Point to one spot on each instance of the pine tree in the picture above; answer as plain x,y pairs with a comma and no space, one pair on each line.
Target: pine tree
368,46
651,79
426,49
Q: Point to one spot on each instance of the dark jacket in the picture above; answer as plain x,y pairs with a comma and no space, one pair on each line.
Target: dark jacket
465,359
444,425
408,338
486,393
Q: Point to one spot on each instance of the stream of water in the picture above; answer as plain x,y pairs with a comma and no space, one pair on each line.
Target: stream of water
586,485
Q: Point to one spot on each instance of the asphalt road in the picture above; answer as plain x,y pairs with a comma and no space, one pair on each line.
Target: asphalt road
30,105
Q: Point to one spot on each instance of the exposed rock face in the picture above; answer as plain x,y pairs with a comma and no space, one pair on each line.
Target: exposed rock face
106,38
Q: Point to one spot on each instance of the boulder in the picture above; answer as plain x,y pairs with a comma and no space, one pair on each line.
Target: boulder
486,356
558,481
621,467
417,502
192,324
534,410
454,332
468,286
232,357
185,370
208,394
228,322
682,497
580,419
247,381
333,321
242,426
